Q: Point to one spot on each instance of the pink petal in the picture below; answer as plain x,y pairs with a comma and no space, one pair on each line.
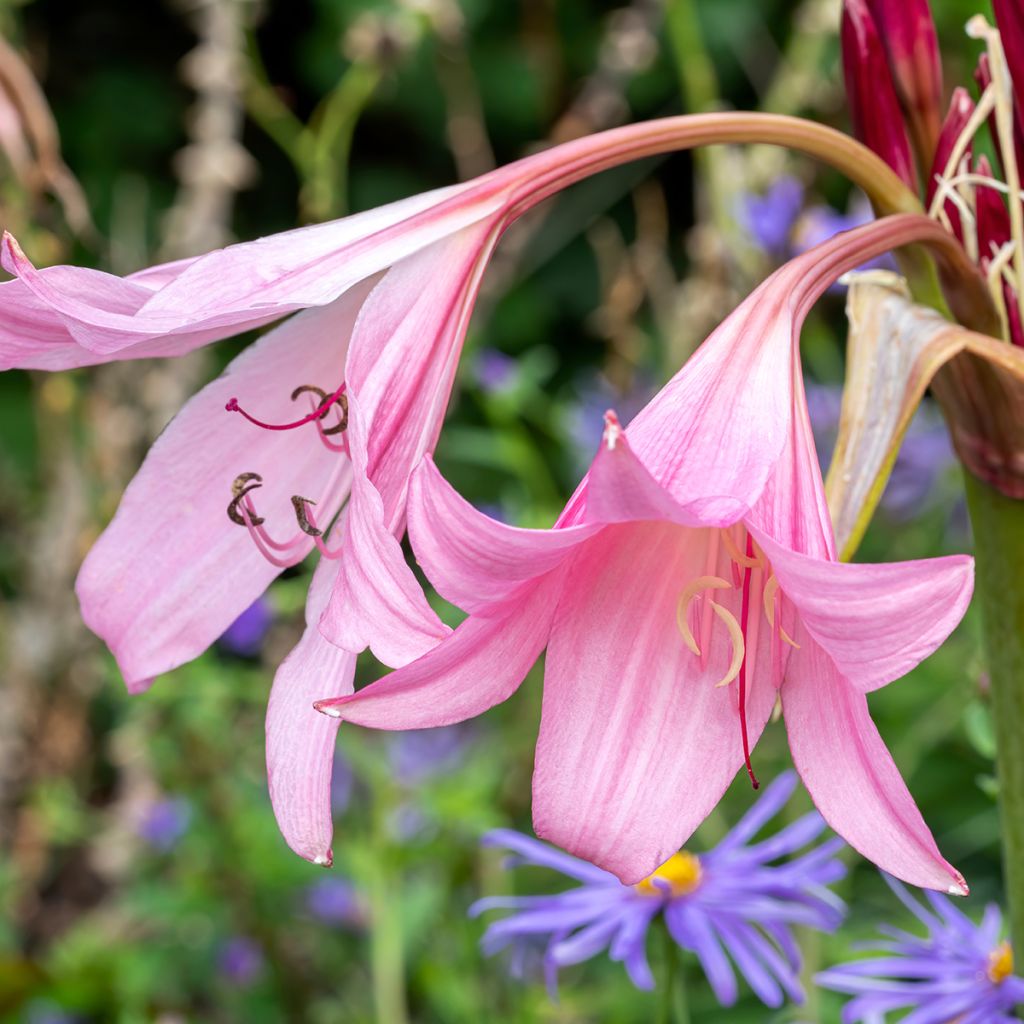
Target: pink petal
171,572
473,561
377,601
620,489
851,775
637,744
481,664
876,622
228,290
404,352
300,743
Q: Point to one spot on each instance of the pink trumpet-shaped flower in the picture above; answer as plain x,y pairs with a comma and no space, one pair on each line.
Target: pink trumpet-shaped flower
690,583
350,393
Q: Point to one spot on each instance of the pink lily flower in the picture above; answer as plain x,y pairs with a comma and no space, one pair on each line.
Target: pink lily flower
690,583
382,301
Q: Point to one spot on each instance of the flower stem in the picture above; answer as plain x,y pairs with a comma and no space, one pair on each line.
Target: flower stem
673,1007
998,526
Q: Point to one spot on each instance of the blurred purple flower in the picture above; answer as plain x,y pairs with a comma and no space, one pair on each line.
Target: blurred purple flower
769,218
494,371
924,456
343,781
729,902
418,754
240,961
245,635
960,971
164,822
335,901
820,222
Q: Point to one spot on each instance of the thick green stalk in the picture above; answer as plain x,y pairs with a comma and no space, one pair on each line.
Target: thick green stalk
998,526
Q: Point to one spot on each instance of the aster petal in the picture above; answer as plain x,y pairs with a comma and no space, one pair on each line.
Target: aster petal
692,930
738,940
636,743
471,559
876,622
172,572
762,810
540,854
479,665
851,776
300,743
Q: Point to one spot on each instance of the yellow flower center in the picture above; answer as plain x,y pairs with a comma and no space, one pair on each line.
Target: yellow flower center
1000,964
681,871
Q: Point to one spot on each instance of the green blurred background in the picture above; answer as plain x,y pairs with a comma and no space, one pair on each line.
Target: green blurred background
141,874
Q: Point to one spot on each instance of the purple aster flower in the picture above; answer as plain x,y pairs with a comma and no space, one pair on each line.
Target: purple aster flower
960,971
494,370
240,961
769,218
343,781
164,822
416,755
246,634
732,902
335,901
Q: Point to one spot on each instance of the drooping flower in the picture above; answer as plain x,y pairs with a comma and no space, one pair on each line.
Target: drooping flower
332,408
733,902
960,971
689,583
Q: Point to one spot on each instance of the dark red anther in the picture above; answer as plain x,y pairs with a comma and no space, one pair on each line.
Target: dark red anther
744,618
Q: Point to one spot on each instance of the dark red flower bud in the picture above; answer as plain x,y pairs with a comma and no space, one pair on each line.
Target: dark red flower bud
992,215
961,107
908,34
874,106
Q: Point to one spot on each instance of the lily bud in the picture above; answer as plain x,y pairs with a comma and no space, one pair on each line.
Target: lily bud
874,105
961,107
908,34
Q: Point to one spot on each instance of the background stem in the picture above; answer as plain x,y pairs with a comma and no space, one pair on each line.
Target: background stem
998,526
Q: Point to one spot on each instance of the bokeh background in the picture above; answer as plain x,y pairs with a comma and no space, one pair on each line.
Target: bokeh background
141,874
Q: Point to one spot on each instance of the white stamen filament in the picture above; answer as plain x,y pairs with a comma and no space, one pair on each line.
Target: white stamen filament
690,591
985,106
979,28
770,591
995,276
738,647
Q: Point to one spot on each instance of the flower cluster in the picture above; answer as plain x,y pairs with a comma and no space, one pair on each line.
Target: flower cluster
730,906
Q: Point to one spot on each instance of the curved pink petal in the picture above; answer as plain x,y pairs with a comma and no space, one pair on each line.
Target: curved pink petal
876,622
851,775
377,601
637,744
230,290
620,489
172,572
481,664
300,742
473,561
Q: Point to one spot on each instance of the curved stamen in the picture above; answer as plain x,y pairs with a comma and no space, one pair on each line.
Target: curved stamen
738,646
240,488
317,535
302,514
340,399
320,411
749,561
690,591
330,445
770,591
